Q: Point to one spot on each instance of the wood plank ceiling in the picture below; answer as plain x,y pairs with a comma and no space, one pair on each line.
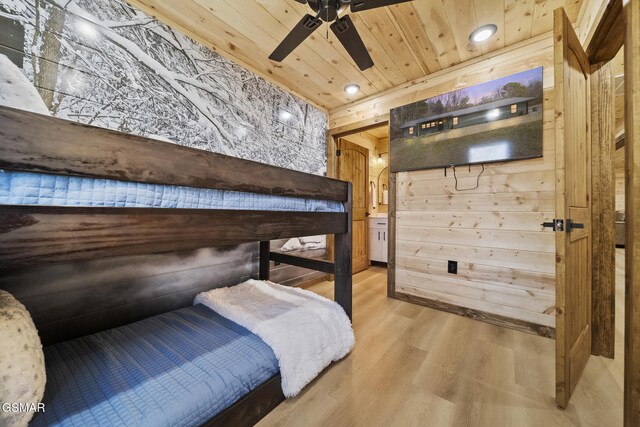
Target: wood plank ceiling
406,41
379,132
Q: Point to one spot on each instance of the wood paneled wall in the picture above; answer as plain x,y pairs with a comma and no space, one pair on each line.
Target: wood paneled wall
506,260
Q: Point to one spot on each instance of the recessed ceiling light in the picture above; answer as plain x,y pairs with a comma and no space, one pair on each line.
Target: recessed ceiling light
352,88
483,33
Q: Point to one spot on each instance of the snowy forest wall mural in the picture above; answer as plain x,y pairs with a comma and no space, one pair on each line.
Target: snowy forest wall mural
108,64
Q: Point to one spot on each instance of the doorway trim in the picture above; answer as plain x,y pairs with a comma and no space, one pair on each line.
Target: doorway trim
332,172
632,164
605,44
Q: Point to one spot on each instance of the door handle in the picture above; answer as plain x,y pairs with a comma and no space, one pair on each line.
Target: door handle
378,235
571,225
555,225
384,235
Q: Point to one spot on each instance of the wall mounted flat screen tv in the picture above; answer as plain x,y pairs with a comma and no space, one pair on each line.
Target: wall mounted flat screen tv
496,121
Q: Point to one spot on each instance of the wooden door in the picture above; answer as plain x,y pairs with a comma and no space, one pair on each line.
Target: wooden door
353,166
573,187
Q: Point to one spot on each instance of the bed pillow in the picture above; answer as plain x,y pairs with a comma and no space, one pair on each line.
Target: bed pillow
291,245
315,242
313,239
22,370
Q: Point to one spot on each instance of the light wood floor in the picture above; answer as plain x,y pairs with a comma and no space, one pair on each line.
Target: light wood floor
414,366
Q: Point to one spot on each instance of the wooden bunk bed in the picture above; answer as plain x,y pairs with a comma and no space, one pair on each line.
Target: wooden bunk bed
39,235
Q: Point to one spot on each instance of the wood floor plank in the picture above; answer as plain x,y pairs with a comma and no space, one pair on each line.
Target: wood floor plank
414,366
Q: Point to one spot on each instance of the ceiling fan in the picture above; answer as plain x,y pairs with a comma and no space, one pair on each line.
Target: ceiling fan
343,28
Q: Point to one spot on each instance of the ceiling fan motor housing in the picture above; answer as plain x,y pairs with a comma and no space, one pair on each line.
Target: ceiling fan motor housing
328,10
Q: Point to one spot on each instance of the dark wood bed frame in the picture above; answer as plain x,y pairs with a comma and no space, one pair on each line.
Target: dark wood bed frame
37,235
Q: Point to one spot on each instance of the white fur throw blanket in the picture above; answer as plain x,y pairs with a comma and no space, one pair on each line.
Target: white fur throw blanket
306,331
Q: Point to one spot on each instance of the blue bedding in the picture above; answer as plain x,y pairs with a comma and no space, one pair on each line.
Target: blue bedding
179,368
28,188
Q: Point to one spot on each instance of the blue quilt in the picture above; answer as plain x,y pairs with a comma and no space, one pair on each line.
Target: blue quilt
179,368
28,188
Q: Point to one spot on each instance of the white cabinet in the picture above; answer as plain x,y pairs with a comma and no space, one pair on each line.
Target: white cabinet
378,247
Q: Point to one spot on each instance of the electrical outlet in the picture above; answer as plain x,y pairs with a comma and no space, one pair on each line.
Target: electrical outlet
453,267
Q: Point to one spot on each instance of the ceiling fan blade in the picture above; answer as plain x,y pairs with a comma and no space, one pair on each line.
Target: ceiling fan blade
358,5
346,32
300,32
302,1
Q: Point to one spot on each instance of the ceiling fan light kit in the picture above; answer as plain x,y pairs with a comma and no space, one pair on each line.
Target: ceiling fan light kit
342,27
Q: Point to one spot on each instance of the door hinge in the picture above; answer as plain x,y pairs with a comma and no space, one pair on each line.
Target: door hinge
556,225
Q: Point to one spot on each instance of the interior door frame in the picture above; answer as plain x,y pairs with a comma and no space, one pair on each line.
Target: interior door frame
365,153
333,134
604,45
632,211
620,25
